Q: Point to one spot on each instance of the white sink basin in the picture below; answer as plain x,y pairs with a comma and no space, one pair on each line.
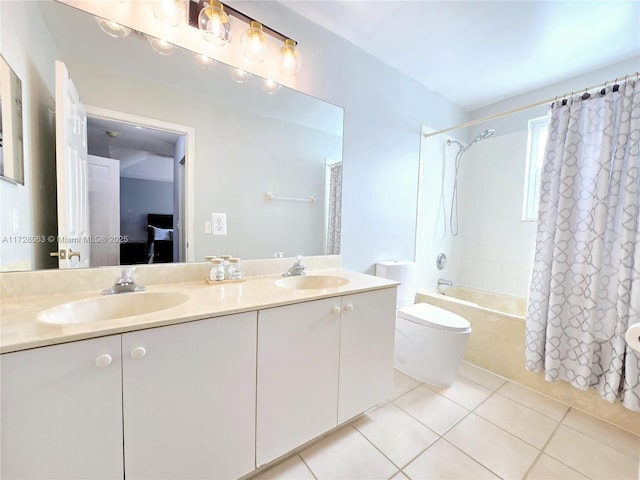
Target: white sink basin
109,307
311,282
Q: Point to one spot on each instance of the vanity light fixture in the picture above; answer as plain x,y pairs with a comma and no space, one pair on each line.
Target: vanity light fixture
112,28
289,58
171,12
270,86
161,46
214,23
239,75
255,45
213,19
204,61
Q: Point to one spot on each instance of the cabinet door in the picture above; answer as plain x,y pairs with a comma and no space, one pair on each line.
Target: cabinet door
62,411
298,349
189,399
366,351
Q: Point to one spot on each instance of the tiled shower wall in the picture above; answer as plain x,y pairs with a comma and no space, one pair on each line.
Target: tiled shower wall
497,246
494,248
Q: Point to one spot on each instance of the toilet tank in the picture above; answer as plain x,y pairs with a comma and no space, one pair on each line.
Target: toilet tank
402,271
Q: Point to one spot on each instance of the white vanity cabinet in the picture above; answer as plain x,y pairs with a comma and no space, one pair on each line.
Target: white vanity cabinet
298,355
321,363
189,399
366,351
61,411
180,400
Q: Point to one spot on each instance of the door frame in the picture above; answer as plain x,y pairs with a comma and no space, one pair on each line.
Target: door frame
189,133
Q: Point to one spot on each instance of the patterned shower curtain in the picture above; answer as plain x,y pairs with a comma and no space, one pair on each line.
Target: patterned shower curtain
585,286
335,209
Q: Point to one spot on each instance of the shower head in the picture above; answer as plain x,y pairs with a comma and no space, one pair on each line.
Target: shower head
486,134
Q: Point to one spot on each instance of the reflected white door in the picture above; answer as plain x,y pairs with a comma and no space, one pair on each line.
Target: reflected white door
71,166
104,210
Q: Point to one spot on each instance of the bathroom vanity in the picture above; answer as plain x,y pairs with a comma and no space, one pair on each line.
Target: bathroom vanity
230,379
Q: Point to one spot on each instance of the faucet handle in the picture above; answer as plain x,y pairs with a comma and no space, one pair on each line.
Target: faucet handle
126,273
300,260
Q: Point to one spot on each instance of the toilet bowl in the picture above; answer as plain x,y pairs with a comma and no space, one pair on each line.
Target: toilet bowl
430,341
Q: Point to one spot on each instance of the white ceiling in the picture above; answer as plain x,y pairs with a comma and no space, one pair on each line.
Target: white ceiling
475,53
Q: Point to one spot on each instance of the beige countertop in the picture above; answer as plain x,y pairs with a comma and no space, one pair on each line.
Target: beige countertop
20,327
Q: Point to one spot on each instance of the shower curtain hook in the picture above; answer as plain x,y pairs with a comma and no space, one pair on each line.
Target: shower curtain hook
586,94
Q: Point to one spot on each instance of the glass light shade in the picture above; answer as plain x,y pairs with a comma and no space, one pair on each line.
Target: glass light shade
254,43
161,46
240,75
171,12
290,61
112,28
204,62
214,23
270,86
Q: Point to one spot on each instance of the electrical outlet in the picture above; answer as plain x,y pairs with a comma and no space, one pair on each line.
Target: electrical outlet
207,227
219,221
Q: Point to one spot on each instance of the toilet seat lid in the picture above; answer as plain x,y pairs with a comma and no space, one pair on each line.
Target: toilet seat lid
435,317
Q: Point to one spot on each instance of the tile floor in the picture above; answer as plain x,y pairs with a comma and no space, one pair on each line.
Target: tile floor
482,427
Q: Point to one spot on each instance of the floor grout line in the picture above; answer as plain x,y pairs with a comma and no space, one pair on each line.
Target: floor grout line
542,450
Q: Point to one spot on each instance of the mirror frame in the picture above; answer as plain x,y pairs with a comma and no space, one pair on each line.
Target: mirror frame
12,165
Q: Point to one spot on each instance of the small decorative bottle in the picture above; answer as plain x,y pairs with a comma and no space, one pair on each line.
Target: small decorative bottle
216,271
234,270
225,263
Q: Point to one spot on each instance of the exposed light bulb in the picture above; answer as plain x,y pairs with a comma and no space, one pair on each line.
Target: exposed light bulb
255,45
161,46
171,12
240,75
214,23
205,62
270,86
112,28
290,61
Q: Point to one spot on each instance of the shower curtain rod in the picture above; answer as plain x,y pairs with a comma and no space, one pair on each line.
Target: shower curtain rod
527,107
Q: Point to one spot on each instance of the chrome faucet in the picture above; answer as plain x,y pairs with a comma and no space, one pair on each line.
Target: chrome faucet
442,281
124,284
297,268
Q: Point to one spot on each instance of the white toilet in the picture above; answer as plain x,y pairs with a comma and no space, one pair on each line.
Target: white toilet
430,341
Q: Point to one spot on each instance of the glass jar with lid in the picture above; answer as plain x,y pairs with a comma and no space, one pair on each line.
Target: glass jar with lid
225,263
216,270
234,270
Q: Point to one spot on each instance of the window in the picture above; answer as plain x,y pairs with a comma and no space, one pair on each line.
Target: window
538,129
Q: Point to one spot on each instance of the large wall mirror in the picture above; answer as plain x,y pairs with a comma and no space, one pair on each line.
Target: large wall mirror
11,152
188,137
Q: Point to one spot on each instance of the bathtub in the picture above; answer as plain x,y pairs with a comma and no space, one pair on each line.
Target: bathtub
497,323
496,344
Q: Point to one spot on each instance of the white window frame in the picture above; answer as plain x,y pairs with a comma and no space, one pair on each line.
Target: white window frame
535,151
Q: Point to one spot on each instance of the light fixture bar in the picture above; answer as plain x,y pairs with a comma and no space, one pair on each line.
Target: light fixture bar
196,5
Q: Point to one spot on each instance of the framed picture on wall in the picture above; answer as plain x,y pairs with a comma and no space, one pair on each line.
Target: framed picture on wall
11,129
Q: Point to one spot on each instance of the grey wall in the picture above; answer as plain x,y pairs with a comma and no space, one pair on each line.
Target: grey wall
139,197
28,48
